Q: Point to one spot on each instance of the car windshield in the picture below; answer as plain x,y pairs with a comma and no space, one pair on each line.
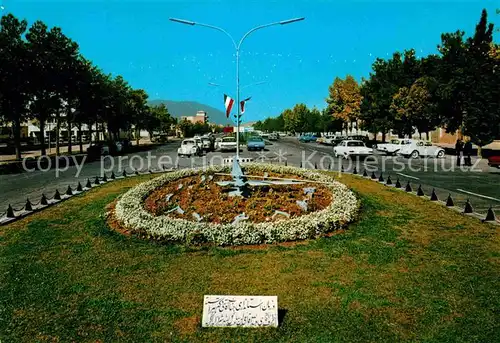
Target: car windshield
188,142
229,139
395,141
255,139
354,143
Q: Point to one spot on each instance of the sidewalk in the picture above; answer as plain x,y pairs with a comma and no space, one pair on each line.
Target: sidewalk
52,152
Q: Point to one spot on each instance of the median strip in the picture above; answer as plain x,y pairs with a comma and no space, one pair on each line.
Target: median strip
478,195
411,177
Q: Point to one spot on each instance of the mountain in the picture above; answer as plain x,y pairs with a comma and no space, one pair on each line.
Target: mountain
189,108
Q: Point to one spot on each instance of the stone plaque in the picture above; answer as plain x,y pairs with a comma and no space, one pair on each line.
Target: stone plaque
240,311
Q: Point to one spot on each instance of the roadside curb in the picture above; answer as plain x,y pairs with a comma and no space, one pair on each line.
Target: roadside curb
12,214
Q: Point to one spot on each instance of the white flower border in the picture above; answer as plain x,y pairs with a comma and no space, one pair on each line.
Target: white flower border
131,213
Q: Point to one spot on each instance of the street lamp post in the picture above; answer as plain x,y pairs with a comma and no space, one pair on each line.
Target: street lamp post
237,48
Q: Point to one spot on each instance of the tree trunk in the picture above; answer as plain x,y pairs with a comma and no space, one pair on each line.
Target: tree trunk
70,135
43,150
80,137
137,136
427,135
383,136
89,126
16,131
103,129
110,133
58,133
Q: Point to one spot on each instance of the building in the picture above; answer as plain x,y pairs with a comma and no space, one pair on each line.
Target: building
200,117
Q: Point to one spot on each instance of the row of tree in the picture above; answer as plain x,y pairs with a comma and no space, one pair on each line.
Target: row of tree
458,89
45,78
301,119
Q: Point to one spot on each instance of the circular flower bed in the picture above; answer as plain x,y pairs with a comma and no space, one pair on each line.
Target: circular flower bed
131,213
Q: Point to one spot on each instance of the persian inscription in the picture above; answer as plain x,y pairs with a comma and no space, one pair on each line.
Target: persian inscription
240,311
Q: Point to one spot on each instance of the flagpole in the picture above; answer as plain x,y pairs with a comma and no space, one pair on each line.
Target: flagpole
238,102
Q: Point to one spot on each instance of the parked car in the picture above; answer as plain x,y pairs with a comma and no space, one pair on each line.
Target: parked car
265,135
96,149
326,139
273,136
160,138
307,138
392,147
228,144
416,148
352,148
494,161
189,147
337,139
206,144
255,143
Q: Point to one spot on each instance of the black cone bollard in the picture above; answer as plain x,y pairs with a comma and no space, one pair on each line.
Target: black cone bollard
408,187
373,175
124,173
43,201
315,165
136,172
389,181
434,196
449,201
490,216
28,206
381,178
88,185
420,192
398,184
10,212
468,207
355,171
341,168
79,188
97,180
105,178
113,175
57,196
286,163
69,191
365,174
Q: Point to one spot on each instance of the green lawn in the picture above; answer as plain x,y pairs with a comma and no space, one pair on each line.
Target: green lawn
408,270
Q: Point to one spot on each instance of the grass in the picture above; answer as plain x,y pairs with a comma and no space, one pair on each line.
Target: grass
408,270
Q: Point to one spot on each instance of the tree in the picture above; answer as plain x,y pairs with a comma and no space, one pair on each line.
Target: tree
481,120
377,93
295,119
14,93
379,90
469,98
416,107
344,100
400,109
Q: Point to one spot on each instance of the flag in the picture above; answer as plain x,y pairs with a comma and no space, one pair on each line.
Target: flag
242,104
228,103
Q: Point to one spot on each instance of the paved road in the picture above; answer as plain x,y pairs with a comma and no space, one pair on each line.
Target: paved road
14,189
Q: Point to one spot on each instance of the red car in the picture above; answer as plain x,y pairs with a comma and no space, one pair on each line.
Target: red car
494,161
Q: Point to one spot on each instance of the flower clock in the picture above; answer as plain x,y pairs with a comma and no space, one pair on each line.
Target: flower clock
188,206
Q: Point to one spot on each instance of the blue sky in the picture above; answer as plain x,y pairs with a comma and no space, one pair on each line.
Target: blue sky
298,61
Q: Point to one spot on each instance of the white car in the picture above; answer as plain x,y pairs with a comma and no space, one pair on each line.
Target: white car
352,148
188,148
393,146
420,148
227,144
